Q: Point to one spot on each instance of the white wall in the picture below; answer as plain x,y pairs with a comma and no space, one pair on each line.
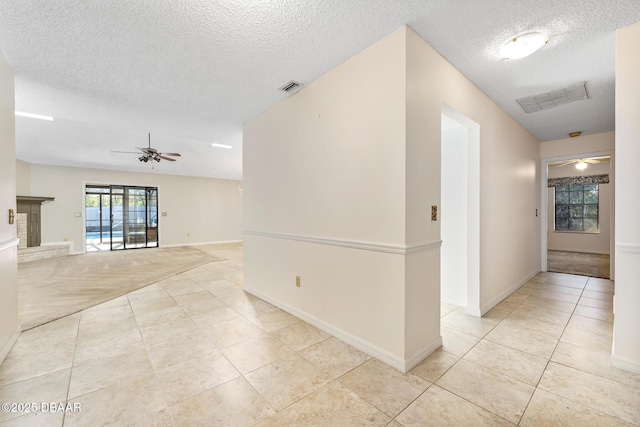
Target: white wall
453,214
509,174
23,178
598,243
199,210
626,344
9,324
339,180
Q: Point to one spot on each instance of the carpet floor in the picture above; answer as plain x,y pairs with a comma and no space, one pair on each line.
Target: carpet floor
53,288
592,265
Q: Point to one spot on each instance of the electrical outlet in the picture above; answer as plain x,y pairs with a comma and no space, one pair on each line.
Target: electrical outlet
297,281
434,213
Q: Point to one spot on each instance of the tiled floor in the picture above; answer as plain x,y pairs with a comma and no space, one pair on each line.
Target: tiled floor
196,350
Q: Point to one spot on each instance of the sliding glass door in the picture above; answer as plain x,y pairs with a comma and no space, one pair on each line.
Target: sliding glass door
128,217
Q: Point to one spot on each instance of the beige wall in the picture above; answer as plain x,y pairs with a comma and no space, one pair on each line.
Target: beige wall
339,182
9,324
598,243
199,210
23,178
581,145
626,344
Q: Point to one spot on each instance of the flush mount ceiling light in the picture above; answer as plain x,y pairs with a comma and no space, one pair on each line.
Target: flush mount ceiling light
221,145
34,116
523,45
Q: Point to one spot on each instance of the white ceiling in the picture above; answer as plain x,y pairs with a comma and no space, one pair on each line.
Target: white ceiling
191,72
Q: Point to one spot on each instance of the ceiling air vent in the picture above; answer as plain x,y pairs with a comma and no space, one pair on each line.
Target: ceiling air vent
292,86
555,98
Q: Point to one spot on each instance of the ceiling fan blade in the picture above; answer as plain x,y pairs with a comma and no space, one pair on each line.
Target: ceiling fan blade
145,149
166,158
564,164
171,154
592,161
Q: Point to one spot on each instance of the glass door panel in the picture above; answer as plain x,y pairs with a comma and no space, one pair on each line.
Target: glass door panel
117,218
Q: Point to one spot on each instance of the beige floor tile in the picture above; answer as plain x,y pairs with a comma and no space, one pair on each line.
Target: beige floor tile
507,305
216,317
43,338
577,284
220,287
620,401
233,331
116,302
199,302
89,377
300,335
434,366
119,312
106,346
514,363
557,296
96,330
597,303
256,353
560,289
178,349
532,336
438,407
589,339
171,329
594,313
247,304
161,316
546,409
36,419
46,388
455,342
541,277
471,325
599,281
593,361
287,380
550,304
594,325
332,405
574,278
272,320
497,393
600,287
334,357
384,387
131,402
24,365
234,403
195,375
537,312
447,308
185,286
598,295
150,301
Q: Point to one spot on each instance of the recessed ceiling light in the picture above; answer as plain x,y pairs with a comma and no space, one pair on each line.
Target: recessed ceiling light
34,116
220,145
523,46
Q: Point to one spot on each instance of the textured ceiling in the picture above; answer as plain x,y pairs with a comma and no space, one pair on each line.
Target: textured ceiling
191,72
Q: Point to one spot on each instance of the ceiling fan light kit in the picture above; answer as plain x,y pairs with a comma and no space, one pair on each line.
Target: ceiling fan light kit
523,45
581,165
151,154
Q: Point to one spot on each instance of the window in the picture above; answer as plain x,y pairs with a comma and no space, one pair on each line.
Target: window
577,208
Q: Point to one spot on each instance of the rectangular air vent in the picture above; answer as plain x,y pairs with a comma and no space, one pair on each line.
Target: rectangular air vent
555,98
292,86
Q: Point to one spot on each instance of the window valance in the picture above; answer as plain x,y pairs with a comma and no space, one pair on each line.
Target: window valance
578,180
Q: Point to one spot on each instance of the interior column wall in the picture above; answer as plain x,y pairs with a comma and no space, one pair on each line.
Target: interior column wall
9,323
626,340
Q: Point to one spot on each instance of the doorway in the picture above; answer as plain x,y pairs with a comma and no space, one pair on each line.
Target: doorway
119,217
578,215
460,212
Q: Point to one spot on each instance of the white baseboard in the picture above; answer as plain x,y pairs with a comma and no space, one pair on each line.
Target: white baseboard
9,344
200,243
627,365
495,301
362,345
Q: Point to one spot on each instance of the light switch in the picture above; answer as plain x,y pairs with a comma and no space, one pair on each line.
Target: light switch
78,215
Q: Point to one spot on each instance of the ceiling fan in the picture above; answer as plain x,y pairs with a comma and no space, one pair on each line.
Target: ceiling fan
151,154
580,163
